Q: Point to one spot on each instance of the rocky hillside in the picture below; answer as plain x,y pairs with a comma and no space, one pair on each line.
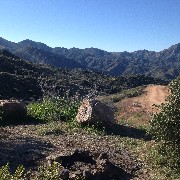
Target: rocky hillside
164,64
42,56
25,80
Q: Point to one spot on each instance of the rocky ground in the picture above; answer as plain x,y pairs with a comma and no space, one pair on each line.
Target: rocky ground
102,156
119,153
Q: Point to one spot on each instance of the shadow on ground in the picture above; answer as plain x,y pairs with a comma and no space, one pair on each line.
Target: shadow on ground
99,168
27,121
130,132
26,151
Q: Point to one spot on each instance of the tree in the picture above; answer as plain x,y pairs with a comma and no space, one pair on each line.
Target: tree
165,126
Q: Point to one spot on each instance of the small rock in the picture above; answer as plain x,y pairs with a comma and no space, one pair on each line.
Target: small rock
73,176
64,174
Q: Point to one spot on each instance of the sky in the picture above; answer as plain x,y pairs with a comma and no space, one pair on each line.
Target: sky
111,25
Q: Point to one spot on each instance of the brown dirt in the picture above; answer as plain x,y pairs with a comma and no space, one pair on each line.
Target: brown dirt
142,106
22,144
154,95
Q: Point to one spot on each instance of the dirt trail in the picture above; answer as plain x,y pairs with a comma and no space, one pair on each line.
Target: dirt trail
138,109
154,94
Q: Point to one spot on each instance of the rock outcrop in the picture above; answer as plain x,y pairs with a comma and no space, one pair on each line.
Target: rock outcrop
12,110
96,113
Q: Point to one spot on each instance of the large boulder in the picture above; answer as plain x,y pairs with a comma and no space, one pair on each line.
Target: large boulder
12,110
96,113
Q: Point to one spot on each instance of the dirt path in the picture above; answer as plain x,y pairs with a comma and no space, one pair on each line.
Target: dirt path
153,95
138,109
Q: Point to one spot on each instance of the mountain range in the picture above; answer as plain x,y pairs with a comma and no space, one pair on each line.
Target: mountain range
164,64
21,79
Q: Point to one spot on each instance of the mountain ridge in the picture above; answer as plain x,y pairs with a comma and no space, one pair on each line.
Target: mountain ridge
25,80
28,41
164,64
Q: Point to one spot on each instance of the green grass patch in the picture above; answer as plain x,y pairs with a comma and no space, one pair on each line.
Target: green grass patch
114,98
54,109
69,127
19,173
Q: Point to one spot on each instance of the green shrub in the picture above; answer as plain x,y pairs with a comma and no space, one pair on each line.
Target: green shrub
165,126
19,173
50,172
53,109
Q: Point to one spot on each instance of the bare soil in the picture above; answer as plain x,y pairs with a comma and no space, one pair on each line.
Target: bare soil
142,107
154,95
22,144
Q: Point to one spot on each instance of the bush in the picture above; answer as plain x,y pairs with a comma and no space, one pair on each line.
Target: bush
165,126
19,174
45,172
51,172
51,109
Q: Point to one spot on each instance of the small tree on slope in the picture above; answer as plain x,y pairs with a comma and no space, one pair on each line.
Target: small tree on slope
165,126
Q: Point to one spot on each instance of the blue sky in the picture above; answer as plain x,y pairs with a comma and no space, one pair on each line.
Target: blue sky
112,25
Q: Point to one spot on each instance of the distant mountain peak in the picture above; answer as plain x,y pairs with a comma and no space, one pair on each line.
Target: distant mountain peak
8,45
39,45
177,46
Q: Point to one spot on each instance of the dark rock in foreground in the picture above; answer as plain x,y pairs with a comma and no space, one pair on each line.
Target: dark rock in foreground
12,110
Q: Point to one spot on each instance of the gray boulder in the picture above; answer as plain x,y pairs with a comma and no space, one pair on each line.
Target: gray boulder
96,113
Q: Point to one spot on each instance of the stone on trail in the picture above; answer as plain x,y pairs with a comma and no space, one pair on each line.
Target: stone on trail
96,113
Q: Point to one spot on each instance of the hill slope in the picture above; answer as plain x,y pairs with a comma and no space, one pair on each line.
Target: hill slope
41,56
39,53
164,64
26,80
